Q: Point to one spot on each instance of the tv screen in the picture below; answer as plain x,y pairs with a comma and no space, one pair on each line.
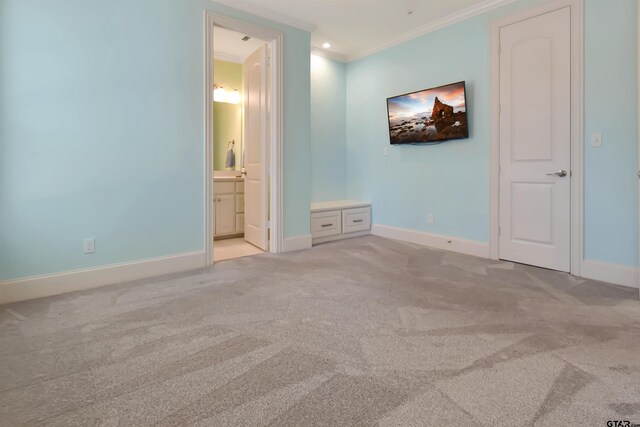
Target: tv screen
428,116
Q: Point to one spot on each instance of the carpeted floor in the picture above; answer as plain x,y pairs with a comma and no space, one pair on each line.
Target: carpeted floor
365,331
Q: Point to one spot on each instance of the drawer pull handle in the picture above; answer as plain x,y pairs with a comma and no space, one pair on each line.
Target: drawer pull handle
326,225
357,220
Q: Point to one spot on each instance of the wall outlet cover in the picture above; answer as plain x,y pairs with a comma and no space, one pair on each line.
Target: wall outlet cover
89,245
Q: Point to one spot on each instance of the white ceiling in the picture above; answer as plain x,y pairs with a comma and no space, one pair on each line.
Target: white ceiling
356,28
229,46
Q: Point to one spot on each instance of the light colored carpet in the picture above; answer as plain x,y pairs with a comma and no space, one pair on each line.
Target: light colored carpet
365,331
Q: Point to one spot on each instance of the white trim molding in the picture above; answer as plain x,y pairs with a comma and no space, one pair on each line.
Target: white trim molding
577,119
446,21
77,280
611,273
276,153
271,15
298,243
327,54
221,56
454,244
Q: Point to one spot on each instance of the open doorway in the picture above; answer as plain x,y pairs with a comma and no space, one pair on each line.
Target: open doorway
240,144
243,139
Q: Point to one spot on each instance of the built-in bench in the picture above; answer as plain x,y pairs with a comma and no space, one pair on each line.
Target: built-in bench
339,219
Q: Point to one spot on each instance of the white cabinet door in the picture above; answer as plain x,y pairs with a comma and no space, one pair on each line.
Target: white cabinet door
535,141
225,214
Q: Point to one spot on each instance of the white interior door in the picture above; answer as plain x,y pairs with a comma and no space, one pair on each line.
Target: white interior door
535,141
254,72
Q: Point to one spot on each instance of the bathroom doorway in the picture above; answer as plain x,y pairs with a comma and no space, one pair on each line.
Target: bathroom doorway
240,128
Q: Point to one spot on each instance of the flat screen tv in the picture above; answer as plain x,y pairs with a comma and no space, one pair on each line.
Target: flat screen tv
428,116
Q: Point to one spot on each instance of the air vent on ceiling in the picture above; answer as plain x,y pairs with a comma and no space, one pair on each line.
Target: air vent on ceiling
245,38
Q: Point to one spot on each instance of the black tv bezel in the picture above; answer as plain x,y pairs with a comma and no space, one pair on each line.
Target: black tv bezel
437,141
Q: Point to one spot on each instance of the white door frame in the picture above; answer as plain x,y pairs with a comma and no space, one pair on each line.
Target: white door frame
577,107
275,157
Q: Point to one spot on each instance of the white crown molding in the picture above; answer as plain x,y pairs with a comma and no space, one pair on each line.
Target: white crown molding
433,26
328,54
221,56
271,15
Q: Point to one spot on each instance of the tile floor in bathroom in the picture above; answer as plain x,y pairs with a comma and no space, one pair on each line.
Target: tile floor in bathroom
233,248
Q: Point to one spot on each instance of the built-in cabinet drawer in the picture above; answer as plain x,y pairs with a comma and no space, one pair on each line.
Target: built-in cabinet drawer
339,219
224,187
354,220
324,224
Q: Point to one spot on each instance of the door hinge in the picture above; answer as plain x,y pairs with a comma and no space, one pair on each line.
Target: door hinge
499,231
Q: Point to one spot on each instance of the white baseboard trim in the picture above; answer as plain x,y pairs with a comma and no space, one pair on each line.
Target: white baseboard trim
320,240
76,280
297,243
454,244
612,273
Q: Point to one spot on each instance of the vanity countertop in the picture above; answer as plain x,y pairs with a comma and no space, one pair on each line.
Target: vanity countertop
228,178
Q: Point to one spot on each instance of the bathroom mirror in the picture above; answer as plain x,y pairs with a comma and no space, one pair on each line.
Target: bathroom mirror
227,116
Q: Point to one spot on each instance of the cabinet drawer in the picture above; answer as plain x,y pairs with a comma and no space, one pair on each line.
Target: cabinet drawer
324,224
224,187
239,203
240,187
358,219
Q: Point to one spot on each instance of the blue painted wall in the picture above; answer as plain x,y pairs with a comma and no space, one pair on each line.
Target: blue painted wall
611,202
101,131
328,129
451,180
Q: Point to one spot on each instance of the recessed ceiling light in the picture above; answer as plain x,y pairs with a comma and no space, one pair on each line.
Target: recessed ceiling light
326,45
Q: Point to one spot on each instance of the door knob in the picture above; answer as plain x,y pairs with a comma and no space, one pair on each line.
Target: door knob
561,173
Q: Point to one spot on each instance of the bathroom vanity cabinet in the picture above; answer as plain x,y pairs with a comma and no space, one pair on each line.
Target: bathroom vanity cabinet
229,207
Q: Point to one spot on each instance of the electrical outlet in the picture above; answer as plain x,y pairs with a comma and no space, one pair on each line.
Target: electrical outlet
596,139
89,245
430,219
386,151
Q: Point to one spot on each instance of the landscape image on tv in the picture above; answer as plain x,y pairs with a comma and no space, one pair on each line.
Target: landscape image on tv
430,115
